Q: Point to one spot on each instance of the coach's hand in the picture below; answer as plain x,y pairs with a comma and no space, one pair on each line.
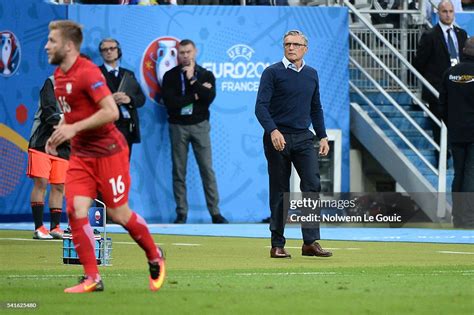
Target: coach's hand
278,140
323,147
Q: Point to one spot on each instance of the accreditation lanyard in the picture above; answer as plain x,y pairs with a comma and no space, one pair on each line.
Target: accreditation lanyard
183,85
188,109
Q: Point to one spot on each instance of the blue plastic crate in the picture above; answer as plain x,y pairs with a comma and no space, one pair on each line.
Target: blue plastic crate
103,251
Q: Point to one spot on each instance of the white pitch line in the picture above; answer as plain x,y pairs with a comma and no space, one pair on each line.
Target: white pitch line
250,274
451,271
40,276
460,253
53,240
28,239
132,243
185,244
55,276
292,247
331,248
285,273
121,243
344,248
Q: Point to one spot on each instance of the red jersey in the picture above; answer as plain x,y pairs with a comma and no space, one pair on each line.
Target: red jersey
79,92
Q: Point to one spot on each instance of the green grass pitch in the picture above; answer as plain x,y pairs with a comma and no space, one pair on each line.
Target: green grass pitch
219,275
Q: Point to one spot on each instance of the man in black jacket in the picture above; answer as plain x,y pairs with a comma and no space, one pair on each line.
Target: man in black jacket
439,48
127,93
188,91
457,110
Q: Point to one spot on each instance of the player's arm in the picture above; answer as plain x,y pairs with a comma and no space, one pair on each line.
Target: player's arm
107,113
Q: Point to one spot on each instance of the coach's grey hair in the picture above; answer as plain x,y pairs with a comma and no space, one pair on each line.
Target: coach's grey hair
296,33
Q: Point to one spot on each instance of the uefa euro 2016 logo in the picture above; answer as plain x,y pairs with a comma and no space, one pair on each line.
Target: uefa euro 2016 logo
240,74
160,56
10,54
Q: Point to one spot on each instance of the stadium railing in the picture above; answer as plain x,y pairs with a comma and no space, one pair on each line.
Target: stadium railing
380,62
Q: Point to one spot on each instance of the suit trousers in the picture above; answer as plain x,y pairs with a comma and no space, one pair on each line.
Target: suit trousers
300,151
463,184
198,135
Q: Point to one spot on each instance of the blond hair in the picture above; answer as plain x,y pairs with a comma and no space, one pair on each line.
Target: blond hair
70,30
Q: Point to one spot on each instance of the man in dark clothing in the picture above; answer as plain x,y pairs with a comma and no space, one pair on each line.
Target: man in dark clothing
125,89
188,91
386,18
439,48
457,110
44,168
287,103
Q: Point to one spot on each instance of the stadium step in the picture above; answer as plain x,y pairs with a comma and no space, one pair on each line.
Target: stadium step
414,175
391,111
378,98
403,123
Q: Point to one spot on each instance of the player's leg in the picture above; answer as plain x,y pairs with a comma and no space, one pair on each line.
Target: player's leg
39,168
114,186
83,239
138,230
80,190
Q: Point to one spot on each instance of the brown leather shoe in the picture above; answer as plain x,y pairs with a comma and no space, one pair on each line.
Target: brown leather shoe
279,252
314,250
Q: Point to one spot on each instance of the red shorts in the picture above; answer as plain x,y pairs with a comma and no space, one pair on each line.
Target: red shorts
110,175
46,166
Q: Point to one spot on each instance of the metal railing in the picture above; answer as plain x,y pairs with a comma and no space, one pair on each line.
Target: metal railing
381,61
397,38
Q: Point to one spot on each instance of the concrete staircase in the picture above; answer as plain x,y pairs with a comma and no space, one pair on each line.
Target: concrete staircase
393,153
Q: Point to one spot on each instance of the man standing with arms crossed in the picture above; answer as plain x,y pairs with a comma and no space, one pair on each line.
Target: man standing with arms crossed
188,91
287,103
99,155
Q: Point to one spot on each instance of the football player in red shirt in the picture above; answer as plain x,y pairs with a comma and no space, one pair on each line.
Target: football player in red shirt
99,155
